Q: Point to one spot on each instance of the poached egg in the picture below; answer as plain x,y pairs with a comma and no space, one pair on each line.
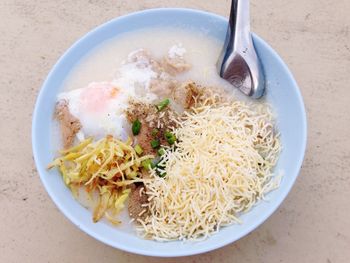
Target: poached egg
100,109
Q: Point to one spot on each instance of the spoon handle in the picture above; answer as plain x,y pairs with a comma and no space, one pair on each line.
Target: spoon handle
238,36
240,20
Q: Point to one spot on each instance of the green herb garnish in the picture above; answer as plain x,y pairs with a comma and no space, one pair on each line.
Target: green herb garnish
147,164
155,144
161,105
170,137
155,132
161,151
160,170
138,149
136,127
161,174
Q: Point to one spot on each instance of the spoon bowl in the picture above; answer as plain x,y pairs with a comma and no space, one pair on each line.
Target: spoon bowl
238,62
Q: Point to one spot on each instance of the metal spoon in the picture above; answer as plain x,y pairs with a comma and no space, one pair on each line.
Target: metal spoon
238,62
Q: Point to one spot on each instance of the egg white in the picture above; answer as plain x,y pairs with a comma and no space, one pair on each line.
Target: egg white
98,113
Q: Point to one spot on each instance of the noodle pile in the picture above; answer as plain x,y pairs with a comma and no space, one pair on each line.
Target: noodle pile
220,166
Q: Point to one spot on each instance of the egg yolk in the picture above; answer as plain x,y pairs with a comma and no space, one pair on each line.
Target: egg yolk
95,98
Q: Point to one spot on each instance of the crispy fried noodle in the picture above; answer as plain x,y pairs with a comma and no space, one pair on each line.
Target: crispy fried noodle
220,167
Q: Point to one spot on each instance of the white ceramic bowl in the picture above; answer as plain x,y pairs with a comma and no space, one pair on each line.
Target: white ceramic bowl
282,93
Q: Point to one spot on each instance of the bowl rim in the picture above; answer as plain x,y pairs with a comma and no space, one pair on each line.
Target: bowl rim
135,250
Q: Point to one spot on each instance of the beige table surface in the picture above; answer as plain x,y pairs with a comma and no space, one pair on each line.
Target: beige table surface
312,225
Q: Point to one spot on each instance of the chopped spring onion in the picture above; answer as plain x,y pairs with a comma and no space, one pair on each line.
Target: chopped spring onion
161,174
147,164
155,132
160,170
161,105
170,137
155,144
138,149
161,151
136,127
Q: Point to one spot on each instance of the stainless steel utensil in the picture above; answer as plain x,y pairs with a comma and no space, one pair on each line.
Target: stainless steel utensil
238,62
